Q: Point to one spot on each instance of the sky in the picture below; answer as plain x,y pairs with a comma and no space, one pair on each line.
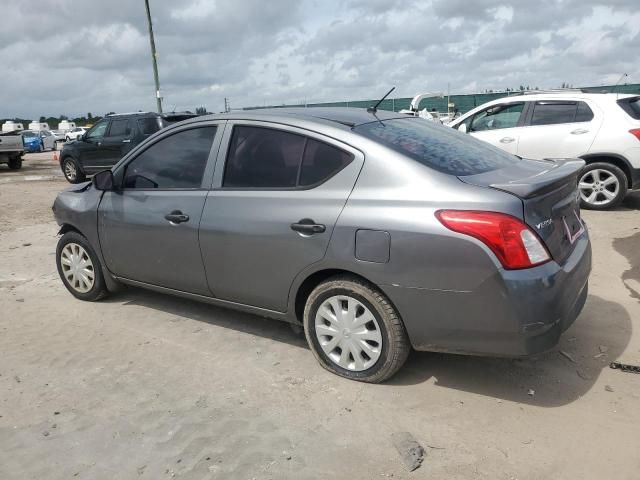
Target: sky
71,57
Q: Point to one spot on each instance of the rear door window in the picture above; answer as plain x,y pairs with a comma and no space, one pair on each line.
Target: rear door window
149,126
438,147
269,158
175,162
321,161
553,113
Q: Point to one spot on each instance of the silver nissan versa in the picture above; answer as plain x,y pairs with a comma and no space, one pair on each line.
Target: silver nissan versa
377,232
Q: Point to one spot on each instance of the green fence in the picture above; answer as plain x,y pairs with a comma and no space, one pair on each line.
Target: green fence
463,103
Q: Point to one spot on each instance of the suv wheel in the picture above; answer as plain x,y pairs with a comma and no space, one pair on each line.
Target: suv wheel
15,163
72,173
602,186
79,267
354,331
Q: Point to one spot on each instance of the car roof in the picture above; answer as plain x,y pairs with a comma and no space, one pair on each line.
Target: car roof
152,114
347,117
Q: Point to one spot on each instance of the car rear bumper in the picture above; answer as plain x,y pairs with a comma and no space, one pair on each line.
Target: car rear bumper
513,313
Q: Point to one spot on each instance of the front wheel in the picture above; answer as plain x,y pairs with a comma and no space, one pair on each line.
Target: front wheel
79,268
71,171
354,331
602,186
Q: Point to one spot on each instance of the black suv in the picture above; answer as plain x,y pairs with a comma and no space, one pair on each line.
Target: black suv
110,139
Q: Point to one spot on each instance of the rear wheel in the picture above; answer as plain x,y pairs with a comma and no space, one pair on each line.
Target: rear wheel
602,186
71,171
79,268
354,331
15,163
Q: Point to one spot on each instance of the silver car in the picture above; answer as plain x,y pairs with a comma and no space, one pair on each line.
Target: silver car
376,232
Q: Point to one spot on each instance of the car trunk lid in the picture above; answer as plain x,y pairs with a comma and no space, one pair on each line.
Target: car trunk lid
548,190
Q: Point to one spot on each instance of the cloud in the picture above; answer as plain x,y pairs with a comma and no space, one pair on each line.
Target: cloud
79,56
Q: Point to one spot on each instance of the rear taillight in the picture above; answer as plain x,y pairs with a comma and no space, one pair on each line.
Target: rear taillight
635,132
511,240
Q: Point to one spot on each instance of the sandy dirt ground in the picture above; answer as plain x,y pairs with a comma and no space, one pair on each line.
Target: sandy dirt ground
145,386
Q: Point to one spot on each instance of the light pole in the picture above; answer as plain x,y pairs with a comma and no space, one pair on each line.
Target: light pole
154,56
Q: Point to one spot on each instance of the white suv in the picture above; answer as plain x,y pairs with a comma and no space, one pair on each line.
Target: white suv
601,128
75,133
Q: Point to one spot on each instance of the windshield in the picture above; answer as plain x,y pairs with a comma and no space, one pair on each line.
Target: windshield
441,148
30,134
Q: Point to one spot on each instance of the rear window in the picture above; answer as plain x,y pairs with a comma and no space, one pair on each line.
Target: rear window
441,148
631,105
149,126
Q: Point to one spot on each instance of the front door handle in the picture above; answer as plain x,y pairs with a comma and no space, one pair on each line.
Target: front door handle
177,217
307,226
507,140
579,131
126,141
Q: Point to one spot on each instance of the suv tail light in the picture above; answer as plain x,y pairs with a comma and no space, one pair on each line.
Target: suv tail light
635,132
511,240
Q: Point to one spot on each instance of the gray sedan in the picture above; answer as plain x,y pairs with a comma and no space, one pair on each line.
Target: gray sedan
376,232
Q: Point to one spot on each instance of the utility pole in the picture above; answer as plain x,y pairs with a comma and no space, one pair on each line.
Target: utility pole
227,105
154,57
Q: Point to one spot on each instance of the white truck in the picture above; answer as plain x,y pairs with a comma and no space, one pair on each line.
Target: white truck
11,149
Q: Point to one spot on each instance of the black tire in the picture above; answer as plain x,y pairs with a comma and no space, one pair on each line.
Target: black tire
15,163
99,289
41,149
79,177
613,170
395,346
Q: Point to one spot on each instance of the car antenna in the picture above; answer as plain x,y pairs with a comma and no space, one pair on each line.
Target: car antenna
374,109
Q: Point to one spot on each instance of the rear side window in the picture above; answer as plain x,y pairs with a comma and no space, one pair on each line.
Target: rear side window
631,105
438,147
551,113
149,126
269,158
177,161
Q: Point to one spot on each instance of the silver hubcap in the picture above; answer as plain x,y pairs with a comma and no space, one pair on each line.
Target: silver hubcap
598,187
348,333
77,267
70,170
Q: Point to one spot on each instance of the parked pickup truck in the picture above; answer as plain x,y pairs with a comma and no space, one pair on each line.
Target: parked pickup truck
11,149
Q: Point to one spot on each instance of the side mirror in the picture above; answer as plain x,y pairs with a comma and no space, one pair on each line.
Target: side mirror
462,128
103,180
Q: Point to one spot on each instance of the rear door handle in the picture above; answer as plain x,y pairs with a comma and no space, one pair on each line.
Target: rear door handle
126,141
507,140
307,226
579,131
177,217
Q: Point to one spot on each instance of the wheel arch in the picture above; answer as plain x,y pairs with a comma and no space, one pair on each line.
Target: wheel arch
312,281
67,227
614,159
